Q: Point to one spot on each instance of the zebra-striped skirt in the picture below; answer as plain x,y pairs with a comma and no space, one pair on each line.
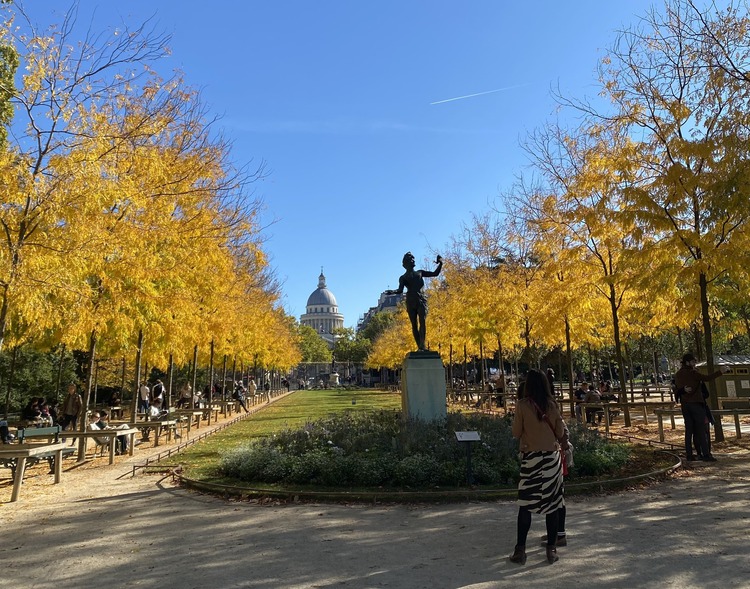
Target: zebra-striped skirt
540,489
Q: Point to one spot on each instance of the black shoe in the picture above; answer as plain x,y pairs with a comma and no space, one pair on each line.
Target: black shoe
519,555
552,554
561,541
692,459
708,458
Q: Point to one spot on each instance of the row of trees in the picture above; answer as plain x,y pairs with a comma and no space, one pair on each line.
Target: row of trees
124,225
631,224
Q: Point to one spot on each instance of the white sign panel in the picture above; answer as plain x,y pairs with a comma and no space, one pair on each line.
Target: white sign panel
731,390
467,436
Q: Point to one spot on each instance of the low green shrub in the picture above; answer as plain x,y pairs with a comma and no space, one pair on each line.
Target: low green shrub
378,449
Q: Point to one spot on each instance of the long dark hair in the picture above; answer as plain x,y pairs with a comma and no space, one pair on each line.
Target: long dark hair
537,389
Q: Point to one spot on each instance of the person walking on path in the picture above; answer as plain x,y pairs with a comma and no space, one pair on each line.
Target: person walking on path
157,392
144,393
538,426
71,407
252,389
239,395
687,382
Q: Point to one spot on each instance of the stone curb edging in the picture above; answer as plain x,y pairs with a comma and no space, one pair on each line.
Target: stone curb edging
402,496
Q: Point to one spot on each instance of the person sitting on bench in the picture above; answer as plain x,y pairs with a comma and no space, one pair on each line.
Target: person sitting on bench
122,441
593,396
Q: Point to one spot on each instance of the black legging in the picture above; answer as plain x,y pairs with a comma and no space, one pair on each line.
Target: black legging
524,525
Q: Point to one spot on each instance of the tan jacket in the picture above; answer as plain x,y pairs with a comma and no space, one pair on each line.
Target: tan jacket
72,404
535,434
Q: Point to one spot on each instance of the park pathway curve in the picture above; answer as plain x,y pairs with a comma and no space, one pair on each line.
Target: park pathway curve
103,527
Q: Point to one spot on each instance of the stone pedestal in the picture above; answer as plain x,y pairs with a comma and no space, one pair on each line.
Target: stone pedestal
423,386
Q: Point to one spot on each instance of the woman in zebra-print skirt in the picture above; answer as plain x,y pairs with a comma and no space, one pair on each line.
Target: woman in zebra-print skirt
538,426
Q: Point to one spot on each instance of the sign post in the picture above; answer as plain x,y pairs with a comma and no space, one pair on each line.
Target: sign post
467,438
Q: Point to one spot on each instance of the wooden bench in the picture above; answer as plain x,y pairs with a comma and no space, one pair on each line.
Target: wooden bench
21,454
211,413
24,435
190,415
102,433
161,427
607,411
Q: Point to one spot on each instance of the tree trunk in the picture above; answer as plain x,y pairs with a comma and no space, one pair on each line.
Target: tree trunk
137,381
96,382
618,352
83,414
697,338
122,382
58,381
224,380
707,334
450,363
3,317
195,375
631,372
211,383
569,358
481,365
170,380
11,372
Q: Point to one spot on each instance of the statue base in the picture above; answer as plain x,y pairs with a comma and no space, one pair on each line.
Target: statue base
423,386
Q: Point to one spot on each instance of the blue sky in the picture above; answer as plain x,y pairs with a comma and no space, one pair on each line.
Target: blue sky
338,98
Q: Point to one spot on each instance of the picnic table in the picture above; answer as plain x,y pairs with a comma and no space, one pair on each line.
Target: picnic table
21,453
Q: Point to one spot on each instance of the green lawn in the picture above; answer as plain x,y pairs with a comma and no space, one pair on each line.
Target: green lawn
201,460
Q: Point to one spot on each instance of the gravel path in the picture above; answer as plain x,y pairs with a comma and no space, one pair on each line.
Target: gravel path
102,527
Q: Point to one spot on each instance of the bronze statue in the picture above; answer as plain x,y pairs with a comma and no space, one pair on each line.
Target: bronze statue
416,303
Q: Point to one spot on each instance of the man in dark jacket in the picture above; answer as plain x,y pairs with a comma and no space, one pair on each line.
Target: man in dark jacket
687,382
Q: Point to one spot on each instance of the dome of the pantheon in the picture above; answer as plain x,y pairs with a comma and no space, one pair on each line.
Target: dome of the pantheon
321,296
322,312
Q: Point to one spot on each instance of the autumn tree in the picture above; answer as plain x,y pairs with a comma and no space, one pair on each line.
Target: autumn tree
679,82
313,347
124,214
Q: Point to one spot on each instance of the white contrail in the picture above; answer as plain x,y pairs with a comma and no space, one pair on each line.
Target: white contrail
478,94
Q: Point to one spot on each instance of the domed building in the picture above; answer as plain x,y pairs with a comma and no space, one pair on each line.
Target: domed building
323,311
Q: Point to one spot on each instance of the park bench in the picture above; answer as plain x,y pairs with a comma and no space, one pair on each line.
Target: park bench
161,427
100,434
211,413
17,456
24,435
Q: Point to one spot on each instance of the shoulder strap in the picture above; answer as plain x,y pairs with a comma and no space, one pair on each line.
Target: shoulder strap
544,416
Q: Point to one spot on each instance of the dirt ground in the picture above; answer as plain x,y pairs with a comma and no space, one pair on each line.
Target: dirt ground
102,527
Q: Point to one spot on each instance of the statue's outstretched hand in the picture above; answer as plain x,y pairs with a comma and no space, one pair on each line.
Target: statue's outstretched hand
439,260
